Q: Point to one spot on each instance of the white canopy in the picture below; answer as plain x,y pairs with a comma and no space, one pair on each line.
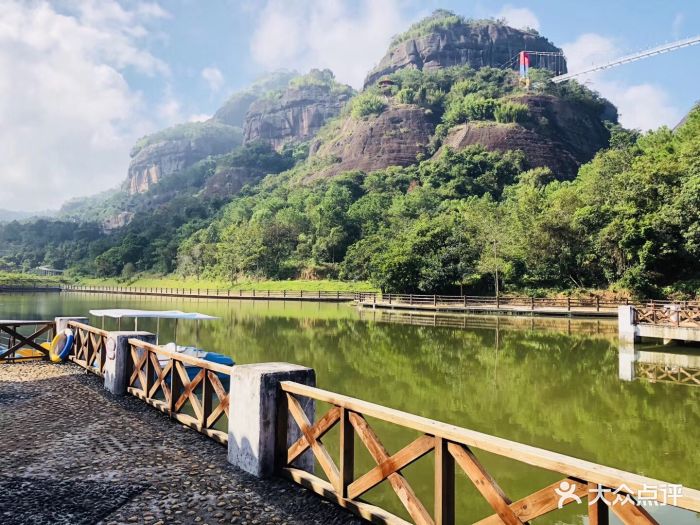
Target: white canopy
118,313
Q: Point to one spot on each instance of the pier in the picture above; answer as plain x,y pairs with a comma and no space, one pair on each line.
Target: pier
159,419
668,322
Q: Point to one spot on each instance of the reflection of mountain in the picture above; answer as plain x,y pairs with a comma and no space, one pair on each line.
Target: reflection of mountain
533,384
677,365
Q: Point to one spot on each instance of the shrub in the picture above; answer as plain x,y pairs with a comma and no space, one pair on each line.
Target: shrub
507,112
366,104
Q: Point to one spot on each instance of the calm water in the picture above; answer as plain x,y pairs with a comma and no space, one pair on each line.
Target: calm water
554,384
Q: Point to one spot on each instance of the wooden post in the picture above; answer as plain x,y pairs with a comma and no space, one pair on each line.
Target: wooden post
597,304
175,389
347,454
444,484
410,299
568,304
434,300
532,303
206,400
149,373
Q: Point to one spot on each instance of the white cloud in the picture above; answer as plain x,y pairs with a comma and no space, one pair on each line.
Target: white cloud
348,37
519,17
677,25
643,106
68,117
199,117
214,77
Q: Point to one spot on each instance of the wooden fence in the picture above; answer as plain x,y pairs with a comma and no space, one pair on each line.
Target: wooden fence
502,302
210,293
682,315
679,375
452,447
193,391
89,347
21,340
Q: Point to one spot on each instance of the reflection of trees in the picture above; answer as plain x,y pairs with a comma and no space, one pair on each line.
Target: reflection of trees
545,388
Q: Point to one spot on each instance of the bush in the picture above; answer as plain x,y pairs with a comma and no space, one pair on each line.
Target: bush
507,112
367,104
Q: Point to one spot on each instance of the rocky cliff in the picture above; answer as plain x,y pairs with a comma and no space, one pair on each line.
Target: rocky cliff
558,134
393,138
445,40
296,113
171,151
234,110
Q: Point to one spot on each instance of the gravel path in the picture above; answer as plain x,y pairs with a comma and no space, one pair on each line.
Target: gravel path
73,454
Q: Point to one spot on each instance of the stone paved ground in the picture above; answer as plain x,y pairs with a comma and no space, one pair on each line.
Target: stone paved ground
70,453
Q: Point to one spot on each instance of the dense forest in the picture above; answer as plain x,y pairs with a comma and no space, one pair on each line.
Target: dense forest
456,219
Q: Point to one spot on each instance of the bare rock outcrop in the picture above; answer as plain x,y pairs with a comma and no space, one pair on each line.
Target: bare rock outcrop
394,138
294,114
476,43
558,134
171,151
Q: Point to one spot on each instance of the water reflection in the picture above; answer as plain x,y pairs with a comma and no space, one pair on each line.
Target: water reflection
675,364
551,383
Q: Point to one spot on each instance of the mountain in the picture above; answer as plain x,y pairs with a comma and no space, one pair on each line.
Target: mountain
445,39
296,113
411,183
10,215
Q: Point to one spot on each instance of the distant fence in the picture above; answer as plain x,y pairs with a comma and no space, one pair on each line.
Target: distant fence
212,293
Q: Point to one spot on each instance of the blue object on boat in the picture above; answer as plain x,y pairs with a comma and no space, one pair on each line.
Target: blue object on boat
213,357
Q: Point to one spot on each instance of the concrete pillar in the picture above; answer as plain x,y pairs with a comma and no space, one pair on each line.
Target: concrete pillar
117,359
627,357
252,431
62,322
626,327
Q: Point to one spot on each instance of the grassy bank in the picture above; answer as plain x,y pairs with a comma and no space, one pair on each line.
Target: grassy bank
28,279
174,282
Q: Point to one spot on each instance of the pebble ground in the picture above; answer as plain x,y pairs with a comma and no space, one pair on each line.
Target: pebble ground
70,453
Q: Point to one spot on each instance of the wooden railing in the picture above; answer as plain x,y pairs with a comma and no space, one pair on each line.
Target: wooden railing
679,375
21,340
89,347
211,293
502,302
452,447
193,391
682,315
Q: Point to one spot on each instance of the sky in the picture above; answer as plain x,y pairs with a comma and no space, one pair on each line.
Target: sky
81,80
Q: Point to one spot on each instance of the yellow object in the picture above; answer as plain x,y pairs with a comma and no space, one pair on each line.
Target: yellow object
56,346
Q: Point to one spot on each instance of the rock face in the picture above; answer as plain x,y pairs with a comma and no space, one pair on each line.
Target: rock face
227,182
234,110
117,221
294,115
559,134
393,138
164,158
477,44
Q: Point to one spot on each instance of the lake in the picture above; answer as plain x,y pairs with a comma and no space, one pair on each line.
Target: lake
551,383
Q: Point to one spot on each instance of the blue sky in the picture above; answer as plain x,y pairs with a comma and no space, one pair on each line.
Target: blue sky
85,78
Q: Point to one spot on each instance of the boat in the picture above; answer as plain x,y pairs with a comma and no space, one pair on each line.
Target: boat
176,315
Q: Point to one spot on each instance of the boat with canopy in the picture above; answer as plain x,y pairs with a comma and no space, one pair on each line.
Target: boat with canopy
176,315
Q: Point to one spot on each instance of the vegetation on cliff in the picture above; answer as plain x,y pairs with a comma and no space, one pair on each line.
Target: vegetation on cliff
423,216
